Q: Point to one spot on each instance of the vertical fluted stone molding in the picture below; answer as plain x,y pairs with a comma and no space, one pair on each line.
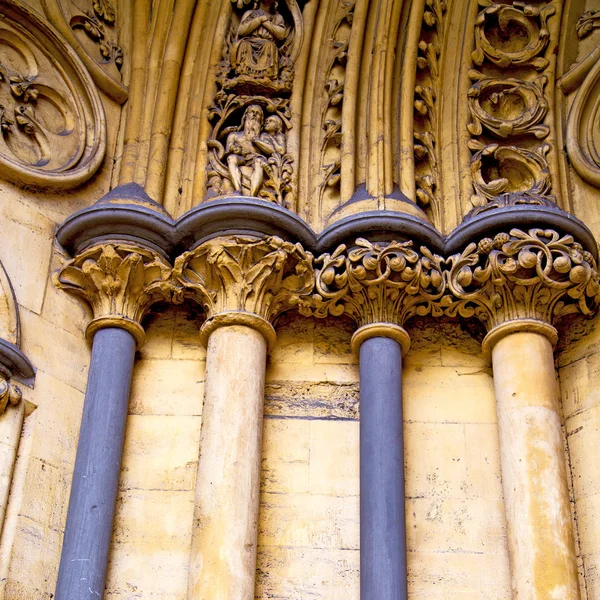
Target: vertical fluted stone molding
243,283
380,286
119,281
518,284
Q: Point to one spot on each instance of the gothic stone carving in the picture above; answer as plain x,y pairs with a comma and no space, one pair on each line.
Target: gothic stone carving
236,273
9,394
538,274
510,110
251,114
588,21
427,110
378,283
90,26
52,128
119,281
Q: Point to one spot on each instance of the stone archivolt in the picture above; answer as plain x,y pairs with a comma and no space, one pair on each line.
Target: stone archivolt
119,281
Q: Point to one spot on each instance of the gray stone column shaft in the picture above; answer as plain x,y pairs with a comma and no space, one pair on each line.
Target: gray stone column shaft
382,519
88,532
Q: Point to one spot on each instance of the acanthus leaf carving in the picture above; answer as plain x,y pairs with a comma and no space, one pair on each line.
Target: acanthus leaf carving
587,22
378,283
263,277
118,280
539,274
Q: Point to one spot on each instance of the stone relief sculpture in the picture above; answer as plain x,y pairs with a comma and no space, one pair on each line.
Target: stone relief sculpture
508,114
91,27
251,114
52,130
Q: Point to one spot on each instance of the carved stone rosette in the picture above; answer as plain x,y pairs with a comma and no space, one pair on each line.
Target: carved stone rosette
245,280
522,280
119,281
378,286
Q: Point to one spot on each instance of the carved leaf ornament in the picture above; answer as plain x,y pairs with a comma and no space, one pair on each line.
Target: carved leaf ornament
537,274
237,273
494,39
90,26
375,283
52,127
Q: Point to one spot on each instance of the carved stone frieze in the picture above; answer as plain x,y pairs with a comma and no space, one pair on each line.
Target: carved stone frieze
240,274
537,275
251,115
90,26
427,88
378,283
119,281
52,128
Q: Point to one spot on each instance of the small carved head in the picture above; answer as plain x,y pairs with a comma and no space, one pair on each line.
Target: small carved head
253,118
273,125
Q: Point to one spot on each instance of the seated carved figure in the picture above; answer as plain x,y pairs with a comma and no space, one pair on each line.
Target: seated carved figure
244,160
256,53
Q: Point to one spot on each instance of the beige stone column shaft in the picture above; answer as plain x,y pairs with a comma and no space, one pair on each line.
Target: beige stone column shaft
243,283
227,488
11,424
518,284
534,474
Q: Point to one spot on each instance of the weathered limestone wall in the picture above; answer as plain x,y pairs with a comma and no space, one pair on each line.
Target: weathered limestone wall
52,326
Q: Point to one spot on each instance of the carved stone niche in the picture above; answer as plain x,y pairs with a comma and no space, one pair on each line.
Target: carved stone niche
52,125
90,26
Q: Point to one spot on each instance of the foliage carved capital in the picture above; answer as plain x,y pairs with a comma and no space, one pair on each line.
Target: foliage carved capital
536,276
234,276
119,281
9,394
378,283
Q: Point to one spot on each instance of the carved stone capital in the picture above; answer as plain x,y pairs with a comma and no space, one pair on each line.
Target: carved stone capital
379,284
245,280
119,281
522,281
9,393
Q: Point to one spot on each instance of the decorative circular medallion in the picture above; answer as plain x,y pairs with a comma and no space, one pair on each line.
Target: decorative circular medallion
52,125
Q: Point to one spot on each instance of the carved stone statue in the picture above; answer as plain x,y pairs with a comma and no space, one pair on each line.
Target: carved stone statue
242,151
256,52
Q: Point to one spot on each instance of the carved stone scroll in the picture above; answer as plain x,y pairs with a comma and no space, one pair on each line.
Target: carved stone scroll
90,26
378,283
509,115
537,275
52,127
251,114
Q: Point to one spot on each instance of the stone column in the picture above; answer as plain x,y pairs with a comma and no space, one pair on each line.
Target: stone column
380,286
119,281
518,284
243,284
